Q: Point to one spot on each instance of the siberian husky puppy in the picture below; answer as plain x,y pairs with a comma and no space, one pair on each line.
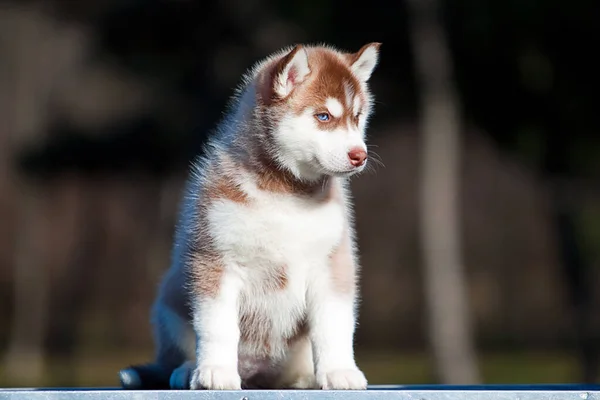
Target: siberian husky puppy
262,290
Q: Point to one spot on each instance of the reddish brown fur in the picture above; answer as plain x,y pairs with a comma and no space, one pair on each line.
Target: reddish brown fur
271,178
206,270
280,278
224,188
220,184
205,266
330,75
255,329
204,263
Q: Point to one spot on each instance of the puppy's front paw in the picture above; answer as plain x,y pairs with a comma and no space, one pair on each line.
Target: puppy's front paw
215,378
342,379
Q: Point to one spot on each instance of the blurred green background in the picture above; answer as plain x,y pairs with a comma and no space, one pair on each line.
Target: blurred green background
103,103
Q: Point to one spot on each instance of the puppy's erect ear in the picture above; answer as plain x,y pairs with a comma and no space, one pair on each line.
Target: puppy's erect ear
290,71
364,61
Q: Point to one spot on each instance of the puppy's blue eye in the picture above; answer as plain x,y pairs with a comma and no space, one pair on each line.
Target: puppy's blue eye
324,117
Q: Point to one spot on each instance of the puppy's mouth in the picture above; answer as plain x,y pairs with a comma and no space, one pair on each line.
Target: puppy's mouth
340,173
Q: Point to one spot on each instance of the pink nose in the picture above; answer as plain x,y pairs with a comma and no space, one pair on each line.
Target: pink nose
357,156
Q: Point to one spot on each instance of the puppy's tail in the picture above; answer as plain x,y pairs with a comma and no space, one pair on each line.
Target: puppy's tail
146,377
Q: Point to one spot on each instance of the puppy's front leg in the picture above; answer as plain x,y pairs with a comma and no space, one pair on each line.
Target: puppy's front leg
332,323
218,334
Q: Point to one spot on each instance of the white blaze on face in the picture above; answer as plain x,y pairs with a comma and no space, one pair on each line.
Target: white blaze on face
336,109
356,105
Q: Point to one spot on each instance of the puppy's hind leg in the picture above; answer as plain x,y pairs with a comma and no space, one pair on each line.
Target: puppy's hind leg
298,367
173,337
181,376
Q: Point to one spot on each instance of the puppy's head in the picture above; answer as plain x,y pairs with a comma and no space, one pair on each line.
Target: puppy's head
316,103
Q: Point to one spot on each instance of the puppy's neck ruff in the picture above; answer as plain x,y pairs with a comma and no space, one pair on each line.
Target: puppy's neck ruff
273,177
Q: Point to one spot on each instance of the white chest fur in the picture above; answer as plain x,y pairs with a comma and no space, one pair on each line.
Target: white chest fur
276,229
278,245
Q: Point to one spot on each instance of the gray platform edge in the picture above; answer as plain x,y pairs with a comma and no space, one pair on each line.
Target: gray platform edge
376,392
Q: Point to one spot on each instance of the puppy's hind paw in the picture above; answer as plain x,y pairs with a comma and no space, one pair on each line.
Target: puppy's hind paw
180,377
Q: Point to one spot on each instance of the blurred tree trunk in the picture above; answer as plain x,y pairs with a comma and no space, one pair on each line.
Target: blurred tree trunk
446,289
570,241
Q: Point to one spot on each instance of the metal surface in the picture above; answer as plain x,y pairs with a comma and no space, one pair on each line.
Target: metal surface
392,392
